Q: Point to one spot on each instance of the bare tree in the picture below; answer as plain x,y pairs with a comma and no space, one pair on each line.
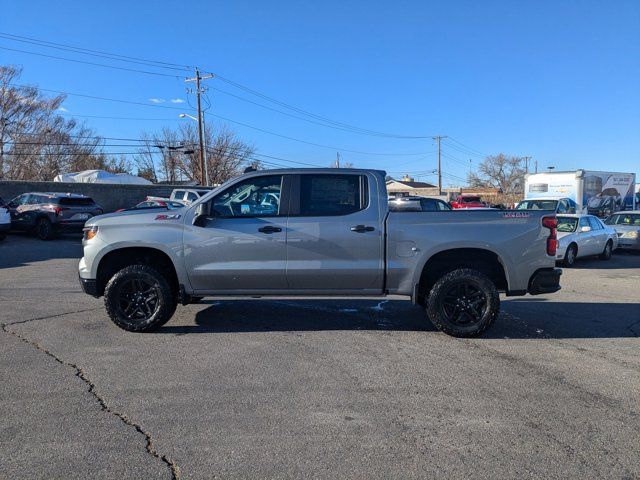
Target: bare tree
503,172
36,143
177,150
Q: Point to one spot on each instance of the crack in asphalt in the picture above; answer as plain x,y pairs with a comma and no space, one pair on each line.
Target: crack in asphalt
79,372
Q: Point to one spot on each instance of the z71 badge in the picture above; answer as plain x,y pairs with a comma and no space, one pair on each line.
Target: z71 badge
175,216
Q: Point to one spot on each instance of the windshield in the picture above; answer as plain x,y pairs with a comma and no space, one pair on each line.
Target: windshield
567,224
631,219
537,205
469,199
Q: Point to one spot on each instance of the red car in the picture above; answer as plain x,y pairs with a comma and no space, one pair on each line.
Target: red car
467,201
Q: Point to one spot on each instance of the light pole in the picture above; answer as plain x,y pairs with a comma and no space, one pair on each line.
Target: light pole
204,146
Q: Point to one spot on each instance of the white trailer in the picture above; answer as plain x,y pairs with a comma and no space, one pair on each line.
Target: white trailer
594,192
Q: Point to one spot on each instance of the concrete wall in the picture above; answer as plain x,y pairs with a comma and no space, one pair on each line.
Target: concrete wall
110,197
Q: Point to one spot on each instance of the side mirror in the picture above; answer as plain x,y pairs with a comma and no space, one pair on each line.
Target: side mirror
12,204
203,211
585,229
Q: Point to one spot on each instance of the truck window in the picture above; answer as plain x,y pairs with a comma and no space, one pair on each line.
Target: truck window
329,194
192,196
254,197
178,194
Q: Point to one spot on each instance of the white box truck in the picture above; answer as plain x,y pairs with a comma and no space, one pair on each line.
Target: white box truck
580,191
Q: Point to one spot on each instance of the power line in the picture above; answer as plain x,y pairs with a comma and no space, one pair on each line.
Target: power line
91,63
334,148
180,67
95,53
312,143
468,148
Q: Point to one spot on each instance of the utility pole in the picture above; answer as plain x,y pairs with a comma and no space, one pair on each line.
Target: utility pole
526,164
337,159
536,166
438,138
199,91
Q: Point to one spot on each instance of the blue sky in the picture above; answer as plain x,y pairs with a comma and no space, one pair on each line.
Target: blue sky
555,80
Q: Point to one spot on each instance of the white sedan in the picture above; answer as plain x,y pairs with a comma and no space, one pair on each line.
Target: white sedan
582,236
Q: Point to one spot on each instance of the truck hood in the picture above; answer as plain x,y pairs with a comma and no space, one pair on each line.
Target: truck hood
132,216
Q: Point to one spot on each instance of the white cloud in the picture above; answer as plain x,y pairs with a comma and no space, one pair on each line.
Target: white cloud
157,100
62,109
177,100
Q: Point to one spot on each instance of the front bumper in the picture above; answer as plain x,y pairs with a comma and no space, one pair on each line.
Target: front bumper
545,280
89,286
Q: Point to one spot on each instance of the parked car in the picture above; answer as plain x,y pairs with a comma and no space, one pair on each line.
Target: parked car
467,201
5,220
582,236
557,204
414,203
627,227
187,195
334,235
49,213
165,203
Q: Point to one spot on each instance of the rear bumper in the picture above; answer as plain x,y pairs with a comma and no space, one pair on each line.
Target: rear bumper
545,280
89,286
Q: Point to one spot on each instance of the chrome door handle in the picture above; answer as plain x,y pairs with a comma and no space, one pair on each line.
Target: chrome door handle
270,229
362,228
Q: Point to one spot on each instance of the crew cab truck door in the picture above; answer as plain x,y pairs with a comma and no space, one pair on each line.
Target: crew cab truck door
335,238
240,246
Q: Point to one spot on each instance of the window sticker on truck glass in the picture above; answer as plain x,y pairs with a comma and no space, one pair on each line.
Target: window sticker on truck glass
515,214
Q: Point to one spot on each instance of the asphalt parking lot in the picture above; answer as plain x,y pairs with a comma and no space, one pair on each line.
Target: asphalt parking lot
316,389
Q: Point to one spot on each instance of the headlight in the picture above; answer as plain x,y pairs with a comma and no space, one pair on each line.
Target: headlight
632,235
89,232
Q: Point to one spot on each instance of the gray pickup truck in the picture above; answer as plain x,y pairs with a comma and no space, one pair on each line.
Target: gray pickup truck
316,232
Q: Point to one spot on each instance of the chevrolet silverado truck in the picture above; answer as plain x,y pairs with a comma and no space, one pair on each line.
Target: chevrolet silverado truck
316,232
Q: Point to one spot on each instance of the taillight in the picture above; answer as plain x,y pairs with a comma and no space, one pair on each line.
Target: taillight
56,209
552,240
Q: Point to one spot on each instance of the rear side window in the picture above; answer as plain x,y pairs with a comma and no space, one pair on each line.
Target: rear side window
191,196
595,223
178,194
75,202
329,194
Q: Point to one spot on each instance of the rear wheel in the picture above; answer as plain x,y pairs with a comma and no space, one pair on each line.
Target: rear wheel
570,256
44,229
139,298
606,253
463,303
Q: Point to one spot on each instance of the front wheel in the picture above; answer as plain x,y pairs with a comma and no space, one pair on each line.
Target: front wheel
606,253
138,298
463,303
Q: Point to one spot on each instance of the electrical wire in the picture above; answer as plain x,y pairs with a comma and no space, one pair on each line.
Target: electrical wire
92,63
95,53
95,97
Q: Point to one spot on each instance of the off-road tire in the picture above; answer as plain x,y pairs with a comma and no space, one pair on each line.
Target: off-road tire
569,259
44,229
115,292
484,291
606,253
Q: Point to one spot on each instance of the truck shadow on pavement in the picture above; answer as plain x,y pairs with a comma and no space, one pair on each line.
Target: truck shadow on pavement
519,319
